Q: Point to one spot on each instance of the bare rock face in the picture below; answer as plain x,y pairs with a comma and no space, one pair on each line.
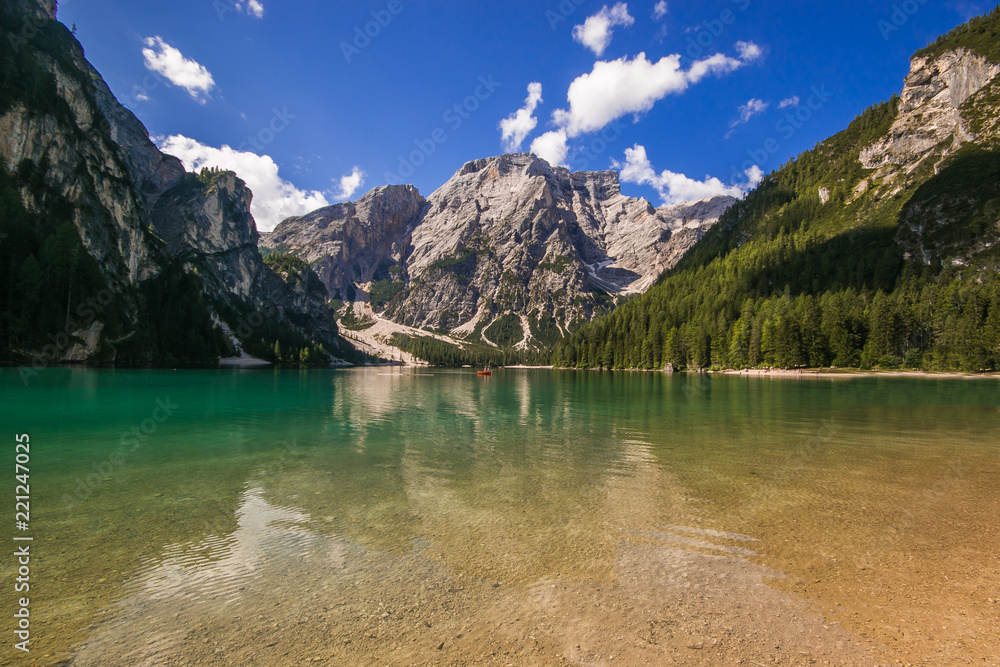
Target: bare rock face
948,102
206,224
930,122
506,241
36,9
346,244
687,223
83,163
153,172
210,224
136,210
513,235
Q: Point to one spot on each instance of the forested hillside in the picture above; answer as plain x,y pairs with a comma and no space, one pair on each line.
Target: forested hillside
110,251
844,256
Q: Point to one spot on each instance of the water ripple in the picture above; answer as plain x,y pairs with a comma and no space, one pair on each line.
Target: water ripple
217,565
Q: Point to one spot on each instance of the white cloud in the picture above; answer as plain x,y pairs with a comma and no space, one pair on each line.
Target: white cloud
351,183
716,64
516,127
616,88
677,188
749,51
660,10
754,176
789,102
620,87
274,198
596,31
253,8
754,107
166,60
552,147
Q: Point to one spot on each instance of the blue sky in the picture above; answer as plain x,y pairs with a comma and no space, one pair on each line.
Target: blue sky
684,98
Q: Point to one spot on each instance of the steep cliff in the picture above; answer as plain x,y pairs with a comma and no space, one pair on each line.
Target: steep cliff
206,224
930,124
103,226
940,153
348,244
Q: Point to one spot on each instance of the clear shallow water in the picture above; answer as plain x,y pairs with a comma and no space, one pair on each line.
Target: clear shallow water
274,517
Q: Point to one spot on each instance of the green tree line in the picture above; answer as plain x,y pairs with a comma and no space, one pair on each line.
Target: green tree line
439,353
943,324
788,280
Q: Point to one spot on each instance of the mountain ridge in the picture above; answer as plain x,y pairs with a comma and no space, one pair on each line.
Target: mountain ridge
117,253
846,255
508,243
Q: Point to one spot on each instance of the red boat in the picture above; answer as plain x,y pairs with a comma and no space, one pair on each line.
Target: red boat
485,372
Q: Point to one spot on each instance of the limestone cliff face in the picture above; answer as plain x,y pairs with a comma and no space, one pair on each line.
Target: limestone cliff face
206,224
209,224
136,209
512,235
506,238
36,9
80,160
931,123
521,201
348,243
947,116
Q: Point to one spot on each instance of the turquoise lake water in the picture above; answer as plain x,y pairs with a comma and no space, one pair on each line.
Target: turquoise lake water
407,516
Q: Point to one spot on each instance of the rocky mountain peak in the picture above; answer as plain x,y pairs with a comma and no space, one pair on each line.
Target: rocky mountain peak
946,115
503,164
206,215
527,166
510,250
347,244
